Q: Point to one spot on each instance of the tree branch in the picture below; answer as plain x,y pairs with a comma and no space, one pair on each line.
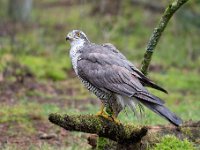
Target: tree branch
100,126
124,136
169,11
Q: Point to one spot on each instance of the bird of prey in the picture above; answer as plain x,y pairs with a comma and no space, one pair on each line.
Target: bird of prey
113,79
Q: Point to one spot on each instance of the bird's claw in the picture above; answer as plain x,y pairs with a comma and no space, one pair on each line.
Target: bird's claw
108,117
115,120
101,113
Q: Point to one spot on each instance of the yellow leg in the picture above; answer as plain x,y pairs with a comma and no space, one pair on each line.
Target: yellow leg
114,118
111,117
101,112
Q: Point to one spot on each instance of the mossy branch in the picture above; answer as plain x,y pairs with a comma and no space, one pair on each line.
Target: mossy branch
124,136
158,30
100,126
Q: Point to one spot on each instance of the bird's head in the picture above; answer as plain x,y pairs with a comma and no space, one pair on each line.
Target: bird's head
76,37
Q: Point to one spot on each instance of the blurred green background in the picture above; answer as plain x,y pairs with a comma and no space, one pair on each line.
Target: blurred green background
36,76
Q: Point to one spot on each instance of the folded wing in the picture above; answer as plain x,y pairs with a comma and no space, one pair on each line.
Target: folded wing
107,71
143,79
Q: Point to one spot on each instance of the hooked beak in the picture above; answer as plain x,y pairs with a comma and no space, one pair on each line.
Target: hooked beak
67,38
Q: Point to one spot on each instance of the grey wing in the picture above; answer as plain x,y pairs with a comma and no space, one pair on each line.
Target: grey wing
112,48
143,79
104,72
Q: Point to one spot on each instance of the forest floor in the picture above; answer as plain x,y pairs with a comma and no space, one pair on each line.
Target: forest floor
24,114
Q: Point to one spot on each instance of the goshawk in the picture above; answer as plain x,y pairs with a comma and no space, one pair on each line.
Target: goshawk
113,79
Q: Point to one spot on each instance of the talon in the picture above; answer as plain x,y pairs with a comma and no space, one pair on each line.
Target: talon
101,112
111,118
107,116
115,120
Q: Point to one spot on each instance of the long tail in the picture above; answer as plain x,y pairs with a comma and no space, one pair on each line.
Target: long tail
164,112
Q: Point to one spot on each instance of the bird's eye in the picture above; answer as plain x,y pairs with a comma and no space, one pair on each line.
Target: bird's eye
78,34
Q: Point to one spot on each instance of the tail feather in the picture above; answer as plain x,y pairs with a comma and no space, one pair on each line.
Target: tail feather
155,86
164,112
145,96
147,82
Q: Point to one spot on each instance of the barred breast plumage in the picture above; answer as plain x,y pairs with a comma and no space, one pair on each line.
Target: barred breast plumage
105,97
99,93
109,99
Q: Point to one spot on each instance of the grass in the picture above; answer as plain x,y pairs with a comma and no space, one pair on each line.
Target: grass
47,67
20,115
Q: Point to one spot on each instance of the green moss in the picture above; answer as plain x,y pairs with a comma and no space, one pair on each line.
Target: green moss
47,67
186,131
102,143
170,142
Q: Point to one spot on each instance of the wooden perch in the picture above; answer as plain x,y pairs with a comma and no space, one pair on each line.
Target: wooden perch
100,126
